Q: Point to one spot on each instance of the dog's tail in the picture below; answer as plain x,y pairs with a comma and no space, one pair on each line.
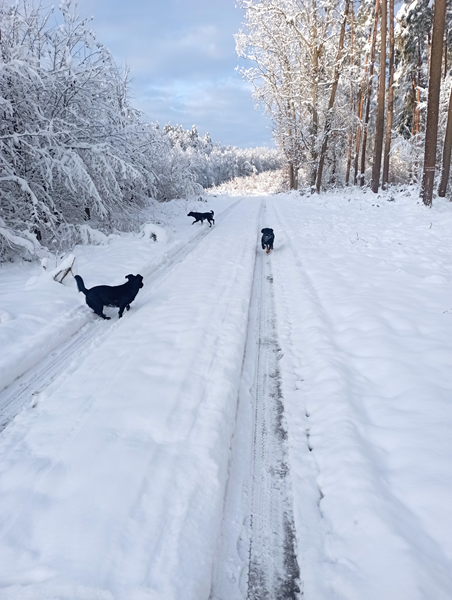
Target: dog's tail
80,284
212,212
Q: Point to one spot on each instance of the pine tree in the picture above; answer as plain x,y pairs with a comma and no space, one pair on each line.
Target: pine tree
431,132
387,149
379,128
446,152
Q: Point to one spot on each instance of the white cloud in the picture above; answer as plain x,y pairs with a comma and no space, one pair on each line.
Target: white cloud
204,38
182,59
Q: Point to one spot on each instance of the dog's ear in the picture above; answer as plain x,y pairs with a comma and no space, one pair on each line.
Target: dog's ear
129,277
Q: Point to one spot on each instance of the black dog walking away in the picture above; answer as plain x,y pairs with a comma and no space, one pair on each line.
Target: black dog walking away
106,295
268,237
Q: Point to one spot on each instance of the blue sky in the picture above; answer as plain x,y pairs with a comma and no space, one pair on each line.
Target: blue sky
182,59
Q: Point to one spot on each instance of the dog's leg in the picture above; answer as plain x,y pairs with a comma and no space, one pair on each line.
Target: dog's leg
100,312
121,309
97,308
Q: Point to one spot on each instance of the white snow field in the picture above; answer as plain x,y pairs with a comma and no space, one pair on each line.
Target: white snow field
255,427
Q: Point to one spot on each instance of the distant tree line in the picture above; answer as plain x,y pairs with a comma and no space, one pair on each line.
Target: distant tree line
72,147
358,95
215,163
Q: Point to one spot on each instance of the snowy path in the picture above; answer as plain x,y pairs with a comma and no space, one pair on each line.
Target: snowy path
255,423
87,331
151,407
257,557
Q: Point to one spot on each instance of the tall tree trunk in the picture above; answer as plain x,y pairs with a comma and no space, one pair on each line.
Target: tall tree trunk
360,115
329,115
349,157
292,178
369,94
418,91
380,124
387,151
315,89
434,85
446,152
350,133
413,112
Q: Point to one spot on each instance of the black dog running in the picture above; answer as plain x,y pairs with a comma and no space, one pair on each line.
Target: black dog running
201,216
268,237
106,295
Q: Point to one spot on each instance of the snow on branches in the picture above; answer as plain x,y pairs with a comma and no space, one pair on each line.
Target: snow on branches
72,148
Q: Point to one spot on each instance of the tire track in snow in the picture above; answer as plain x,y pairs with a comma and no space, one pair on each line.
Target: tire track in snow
257,554
91,334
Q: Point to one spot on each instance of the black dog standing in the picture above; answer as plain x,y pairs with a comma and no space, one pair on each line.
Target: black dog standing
107,295
268,237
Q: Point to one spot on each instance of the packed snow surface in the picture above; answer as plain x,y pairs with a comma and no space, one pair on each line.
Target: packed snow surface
113,475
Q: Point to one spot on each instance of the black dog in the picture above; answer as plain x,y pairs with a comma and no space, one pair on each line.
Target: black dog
106,295
201,216
268,237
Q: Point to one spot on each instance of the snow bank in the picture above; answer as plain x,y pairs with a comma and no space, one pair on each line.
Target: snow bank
154,232
39,314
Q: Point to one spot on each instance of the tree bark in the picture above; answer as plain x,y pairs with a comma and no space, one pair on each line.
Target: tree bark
315,88
434,85
418,91
369,94
446,152
380,124
360,116
329,115
350,133
292,177
387,150
413,111
445,54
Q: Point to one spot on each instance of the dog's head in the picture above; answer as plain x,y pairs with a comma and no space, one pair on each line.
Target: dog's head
191,214
137,280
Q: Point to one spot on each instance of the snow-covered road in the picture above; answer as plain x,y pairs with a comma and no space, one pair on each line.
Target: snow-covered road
256,553
254,424
151,407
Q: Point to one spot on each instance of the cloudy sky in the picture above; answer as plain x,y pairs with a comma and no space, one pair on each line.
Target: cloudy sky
182,59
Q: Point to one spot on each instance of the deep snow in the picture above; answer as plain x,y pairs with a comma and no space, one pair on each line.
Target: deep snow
113,477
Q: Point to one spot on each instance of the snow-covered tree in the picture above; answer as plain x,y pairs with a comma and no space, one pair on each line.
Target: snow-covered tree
72,148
